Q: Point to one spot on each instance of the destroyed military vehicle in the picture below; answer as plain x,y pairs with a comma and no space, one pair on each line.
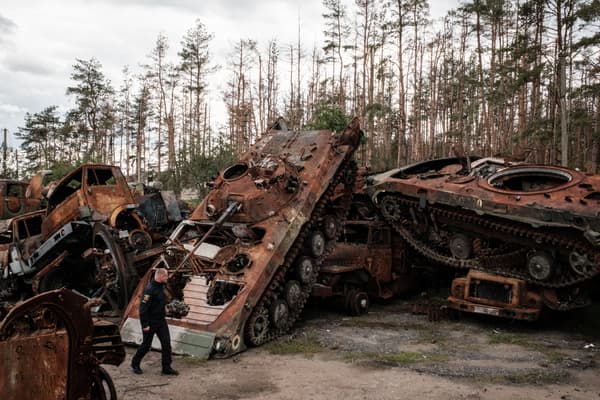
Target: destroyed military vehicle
247,259
500,296
539,224
91,238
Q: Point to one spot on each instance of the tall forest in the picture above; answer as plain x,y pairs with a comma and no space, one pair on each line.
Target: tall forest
518,79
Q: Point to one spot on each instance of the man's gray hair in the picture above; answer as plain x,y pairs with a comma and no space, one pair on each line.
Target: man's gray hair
161,272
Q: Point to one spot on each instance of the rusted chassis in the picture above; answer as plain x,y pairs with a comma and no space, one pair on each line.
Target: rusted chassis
50,348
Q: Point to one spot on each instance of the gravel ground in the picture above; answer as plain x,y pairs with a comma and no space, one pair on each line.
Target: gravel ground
392,354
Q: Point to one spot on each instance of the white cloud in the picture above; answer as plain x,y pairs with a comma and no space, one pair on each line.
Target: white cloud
41,39
11,109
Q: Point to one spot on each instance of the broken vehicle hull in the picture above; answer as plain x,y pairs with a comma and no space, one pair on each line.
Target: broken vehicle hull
536,223
247,259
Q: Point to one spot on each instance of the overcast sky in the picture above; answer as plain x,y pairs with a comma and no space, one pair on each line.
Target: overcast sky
40,40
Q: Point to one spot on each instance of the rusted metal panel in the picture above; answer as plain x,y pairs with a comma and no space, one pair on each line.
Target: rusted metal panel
38,366
51,348
250,233
16,198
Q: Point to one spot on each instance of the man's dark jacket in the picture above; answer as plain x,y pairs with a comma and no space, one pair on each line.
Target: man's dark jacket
152,307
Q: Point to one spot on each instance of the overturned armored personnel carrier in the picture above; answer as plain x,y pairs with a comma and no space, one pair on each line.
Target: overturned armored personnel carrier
247,259
539,224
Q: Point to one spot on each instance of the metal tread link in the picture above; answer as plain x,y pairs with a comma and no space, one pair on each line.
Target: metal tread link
566,279
277,283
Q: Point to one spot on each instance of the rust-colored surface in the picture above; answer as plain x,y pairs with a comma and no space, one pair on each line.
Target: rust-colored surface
50,348
365,258
540,224
500,296
242,244
92,238
92,191
16,199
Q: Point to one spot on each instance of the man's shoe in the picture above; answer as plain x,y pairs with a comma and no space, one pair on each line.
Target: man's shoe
137,370
169,371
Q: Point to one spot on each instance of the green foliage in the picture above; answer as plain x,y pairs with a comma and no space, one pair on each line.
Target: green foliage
59,170
329,117
198,170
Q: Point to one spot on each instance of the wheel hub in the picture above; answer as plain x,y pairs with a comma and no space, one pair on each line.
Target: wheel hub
581,263
540,265
461,246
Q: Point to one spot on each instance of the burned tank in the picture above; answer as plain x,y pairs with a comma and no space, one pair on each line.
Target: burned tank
537,223
247,259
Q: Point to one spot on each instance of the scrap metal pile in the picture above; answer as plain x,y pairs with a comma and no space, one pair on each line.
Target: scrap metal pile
93,237
293,218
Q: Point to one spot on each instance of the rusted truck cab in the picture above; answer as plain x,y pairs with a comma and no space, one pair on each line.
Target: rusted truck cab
366,262
92,192
19,238
488,294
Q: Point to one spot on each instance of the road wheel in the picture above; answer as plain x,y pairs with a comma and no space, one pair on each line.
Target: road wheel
293,294
316,244
305,269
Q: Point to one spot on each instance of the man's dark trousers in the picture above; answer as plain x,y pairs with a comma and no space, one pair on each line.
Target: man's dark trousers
162,331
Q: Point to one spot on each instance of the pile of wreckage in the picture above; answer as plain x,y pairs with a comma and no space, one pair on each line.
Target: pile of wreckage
293,218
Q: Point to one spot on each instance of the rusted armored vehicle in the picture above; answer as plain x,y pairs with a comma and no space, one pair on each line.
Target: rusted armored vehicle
92,238
247,259
536,223
51,348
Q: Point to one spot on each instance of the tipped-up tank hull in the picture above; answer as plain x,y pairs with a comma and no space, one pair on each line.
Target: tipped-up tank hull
247,259
537,223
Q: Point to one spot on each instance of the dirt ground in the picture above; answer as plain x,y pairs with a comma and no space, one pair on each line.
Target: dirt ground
392,354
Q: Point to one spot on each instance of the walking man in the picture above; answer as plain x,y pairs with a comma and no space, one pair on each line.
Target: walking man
152,317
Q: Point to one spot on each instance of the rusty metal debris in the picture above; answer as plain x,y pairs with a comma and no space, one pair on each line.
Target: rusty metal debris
539,224
366,262
18,197
51,348
93,237
248,258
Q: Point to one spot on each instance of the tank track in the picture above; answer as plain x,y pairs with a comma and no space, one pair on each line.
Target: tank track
503,263
346,174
